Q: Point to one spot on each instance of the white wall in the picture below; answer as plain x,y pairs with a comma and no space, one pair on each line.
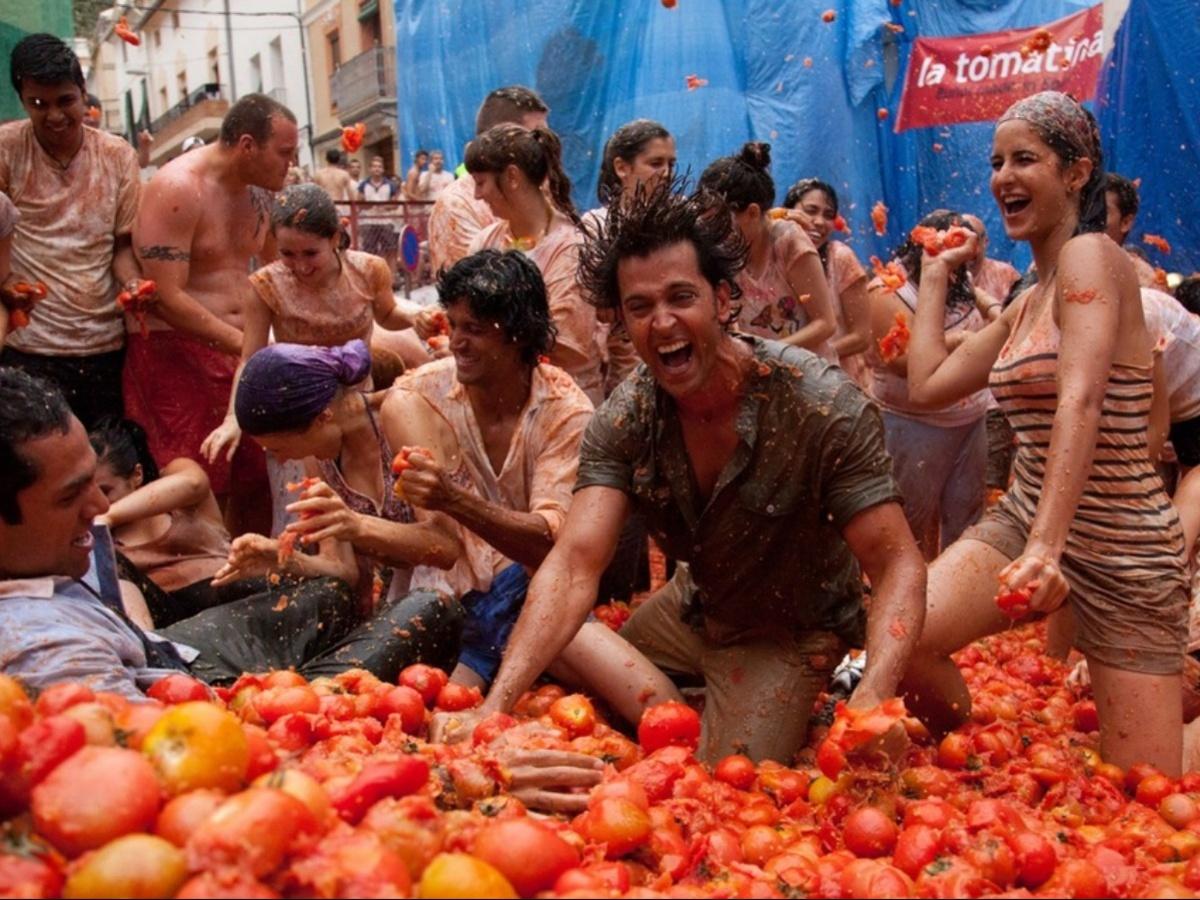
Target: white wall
187,42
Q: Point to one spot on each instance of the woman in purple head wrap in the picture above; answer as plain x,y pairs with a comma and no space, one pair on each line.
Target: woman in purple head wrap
308,403
1086,520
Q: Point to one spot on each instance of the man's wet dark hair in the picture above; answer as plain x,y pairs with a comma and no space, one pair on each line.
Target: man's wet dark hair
1126,191
30,408
46,60
1188,294
252,115
743,179
504,287
333,157
507,104
655,219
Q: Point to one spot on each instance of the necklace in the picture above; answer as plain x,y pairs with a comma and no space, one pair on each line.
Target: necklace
525,244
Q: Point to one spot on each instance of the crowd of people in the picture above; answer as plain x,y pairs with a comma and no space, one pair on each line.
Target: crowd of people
276,462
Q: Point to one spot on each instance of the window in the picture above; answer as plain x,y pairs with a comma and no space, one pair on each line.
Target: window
275,55
164,101
371,32
157,37
181,83
256,81
214,66
335,51
175,19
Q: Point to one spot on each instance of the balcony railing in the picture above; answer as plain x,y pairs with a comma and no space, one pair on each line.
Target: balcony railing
364,81
176,112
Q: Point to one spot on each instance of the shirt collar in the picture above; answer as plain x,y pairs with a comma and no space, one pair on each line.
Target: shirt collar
38,588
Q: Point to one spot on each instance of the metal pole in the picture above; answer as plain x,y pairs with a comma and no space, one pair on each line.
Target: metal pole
229,50
307,99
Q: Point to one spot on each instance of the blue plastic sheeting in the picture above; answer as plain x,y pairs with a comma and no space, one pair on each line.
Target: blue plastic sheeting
1149,114
601,64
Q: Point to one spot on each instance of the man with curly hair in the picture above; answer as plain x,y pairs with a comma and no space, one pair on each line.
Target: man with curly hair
507,426
758,465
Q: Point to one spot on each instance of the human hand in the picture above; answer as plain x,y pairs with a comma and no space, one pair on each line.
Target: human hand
223,439
1036,574
453,727
250,556
429,322
426,484
549,780
323,514
954,248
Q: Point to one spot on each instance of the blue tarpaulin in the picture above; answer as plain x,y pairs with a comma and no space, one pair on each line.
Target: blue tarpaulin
777,72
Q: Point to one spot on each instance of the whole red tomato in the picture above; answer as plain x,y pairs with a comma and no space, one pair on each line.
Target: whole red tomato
916,847
425,680
182,815
529,854
574,714
179,688
454,697
404,702
670,724
869,833
1036,859
617,823
59,697
737,771
274,703
95,796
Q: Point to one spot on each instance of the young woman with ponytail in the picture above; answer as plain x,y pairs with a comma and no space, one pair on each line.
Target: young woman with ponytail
785,296
518,173
318,292
1086,520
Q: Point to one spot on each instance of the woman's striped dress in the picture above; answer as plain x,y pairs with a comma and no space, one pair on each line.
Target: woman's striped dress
1124,552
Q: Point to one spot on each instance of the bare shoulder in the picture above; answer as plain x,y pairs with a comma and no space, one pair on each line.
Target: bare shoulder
410,419
1089,251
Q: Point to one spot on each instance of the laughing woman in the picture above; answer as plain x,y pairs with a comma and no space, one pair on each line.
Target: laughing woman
1086,520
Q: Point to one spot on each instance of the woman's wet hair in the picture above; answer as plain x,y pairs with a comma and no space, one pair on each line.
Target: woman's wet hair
505,288
536,152
308,208
284,387
122,445
1188,294
655,219
796,193
626,143
1071,132
960,293
742,179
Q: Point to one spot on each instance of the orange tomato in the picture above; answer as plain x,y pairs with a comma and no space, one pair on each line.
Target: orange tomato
198,745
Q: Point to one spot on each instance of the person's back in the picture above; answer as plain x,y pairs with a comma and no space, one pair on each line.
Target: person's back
336,182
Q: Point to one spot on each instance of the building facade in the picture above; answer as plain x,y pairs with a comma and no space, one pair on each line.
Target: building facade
195,58
352,46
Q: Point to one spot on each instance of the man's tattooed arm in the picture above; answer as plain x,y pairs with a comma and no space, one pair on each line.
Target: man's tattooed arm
261,199
165,253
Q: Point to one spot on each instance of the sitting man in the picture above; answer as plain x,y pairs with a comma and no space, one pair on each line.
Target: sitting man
63,616
502,429
757,465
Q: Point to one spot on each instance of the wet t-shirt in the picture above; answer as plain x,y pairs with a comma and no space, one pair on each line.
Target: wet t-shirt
343,311
766,550
454,221
70,219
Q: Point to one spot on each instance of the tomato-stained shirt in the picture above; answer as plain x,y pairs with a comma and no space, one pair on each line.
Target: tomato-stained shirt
766,550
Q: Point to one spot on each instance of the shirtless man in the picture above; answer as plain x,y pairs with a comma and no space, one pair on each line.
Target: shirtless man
203,220
334,179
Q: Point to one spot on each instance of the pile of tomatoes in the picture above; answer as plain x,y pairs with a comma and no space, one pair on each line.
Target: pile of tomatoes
277,786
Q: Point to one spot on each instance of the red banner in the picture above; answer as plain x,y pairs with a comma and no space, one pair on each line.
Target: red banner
976,77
